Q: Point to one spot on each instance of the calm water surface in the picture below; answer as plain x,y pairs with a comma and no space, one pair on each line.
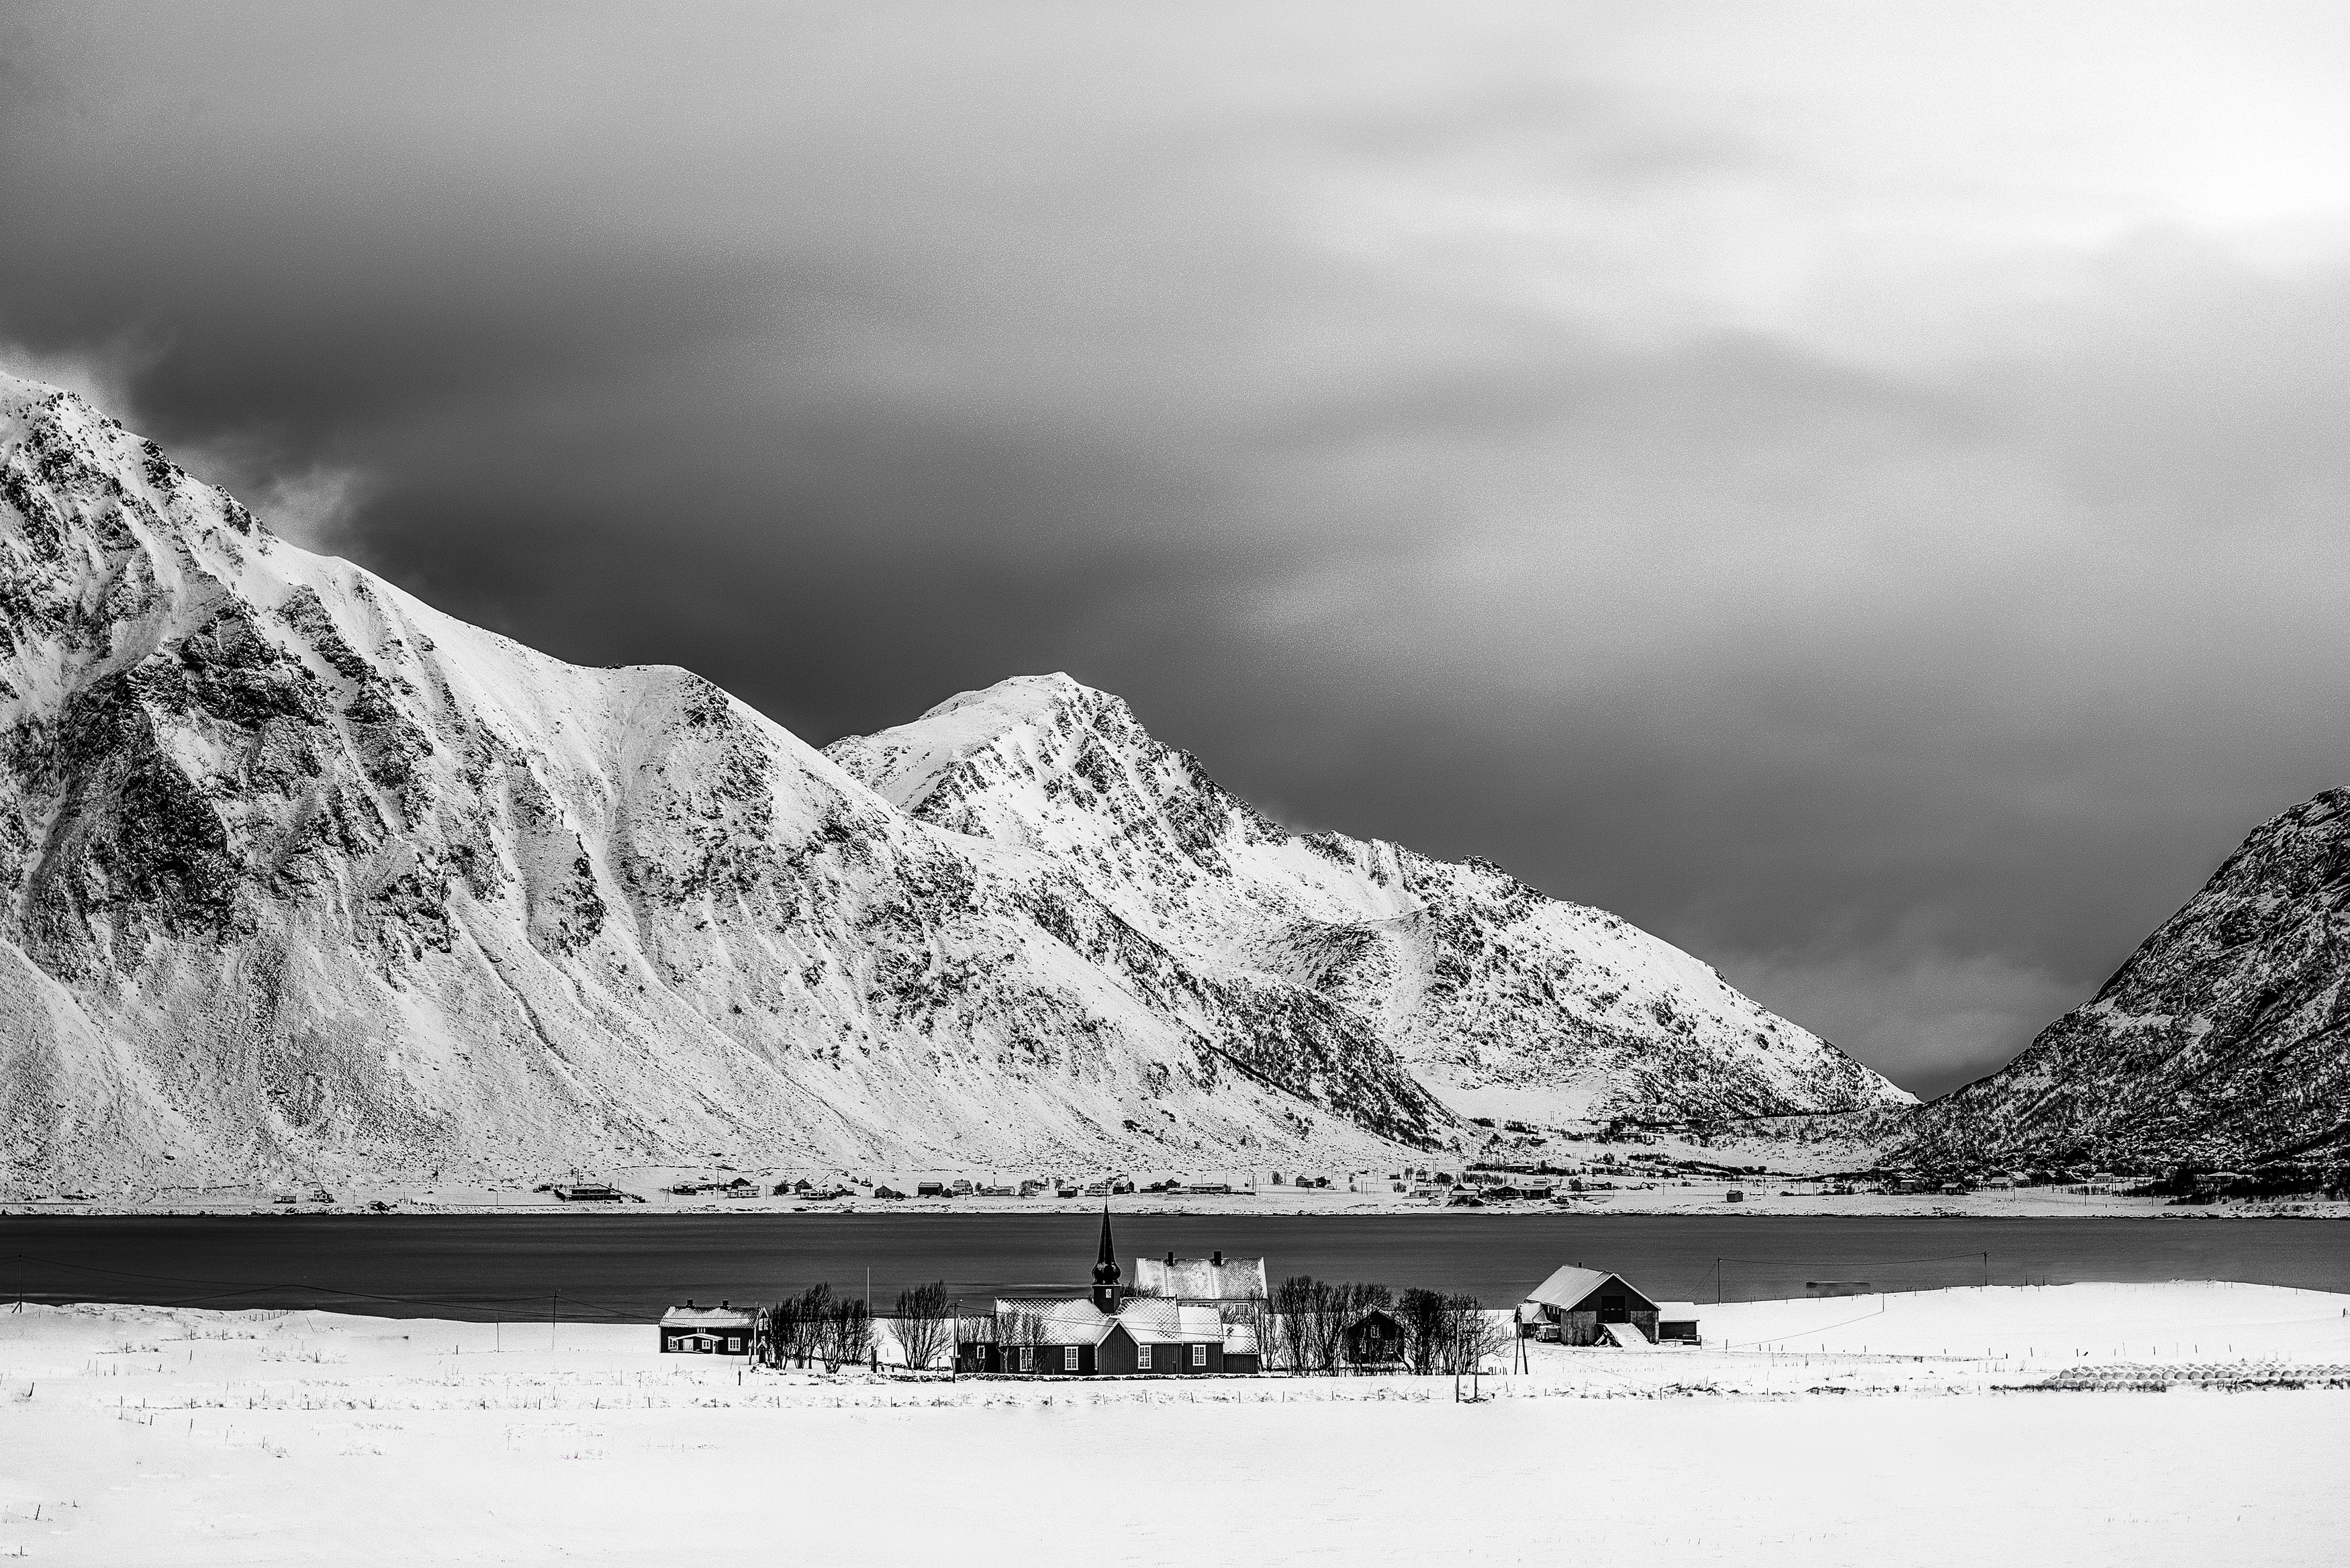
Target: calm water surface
615,1267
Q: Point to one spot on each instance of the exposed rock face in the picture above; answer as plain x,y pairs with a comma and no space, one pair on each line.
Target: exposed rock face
1504,1001
299,877
2224,1040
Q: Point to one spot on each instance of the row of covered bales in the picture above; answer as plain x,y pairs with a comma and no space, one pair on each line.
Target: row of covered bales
1212,1316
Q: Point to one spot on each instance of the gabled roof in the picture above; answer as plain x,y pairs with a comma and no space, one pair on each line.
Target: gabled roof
1059,1321
1570,1287
1240,1339
1169,1323
1199,1278
720,1318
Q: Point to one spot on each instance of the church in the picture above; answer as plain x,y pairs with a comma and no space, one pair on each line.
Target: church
1118,1331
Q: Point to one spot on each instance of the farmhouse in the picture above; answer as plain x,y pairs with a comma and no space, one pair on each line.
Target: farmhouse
721,1329
1584,1306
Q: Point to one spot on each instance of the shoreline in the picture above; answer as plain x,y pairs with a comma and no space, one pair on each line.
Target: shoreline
2017,1204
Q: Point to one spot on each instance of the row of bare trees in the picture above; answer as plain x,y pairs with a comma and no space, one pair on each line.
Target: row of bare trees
1302,1328
816,1327
925,1325
1309,1319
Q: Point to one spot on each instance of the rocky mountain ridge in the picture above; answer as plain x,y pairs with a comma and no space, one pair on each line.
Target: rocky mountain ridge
1504,1001
300,876
2223,1041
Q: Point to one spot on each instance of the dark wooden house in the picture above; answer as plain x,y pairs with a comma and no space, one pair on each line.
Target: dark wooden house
723,1330
1373,1340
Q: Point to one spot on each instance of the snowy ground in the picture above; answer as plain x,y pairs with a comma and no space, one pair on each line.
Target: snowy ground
137,1435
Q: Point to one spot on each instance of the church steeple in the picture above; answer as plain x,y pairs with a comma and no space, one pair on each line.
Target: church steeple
1106,1269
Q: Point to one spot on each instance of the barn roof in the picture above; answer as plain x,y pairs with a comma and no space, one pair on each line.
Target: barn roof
1199,1278
1677,1312
1570,1286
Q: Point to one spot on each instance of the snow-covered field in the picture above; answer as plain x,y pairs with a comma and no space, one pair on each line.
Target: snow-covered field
136,1434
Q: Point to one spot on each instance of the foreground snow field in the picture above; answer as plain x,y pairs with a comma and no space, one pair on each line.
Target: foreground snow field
135,1435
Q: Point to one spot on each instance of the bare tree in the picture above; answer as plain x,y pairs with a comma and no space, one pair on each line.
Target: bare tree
1018,1329
1292,1301
1326,1316
800,1321
1471,1334
1427,1328
925,1324
847,1332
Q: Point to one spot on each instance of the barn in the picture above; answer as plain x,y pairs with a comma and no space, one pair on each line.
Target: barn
723,1330
1587,1307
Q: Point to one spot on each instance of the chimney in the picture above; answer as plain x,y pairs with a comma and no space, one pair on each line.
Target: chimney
1170,1259
689,1304
1217,1257
723,1303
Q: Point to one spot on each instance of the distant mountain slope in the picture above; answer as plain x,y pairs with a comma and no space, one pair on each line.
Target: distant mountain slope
303,877
2224,1040
1504,1001
300,878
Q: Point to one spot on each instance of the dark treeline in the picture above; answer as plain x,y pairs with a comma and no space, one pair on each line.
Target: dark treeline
816,1327
1436,1333
1309,1326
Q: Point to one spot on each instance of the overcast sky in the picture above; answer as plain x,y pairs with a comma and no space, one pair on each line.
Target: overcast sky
1858,490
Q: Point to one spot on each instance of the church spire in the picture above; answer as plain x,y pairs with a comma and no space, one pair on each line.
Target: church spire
1106,1269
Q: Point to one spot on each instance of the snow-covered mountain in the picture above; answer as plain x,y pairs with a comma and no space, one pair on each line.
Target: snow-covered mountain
304,878
1504,1002
2225,1041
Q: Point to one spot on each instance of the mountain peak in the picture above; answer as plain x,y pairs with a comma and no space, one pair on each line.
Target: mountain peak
1046,720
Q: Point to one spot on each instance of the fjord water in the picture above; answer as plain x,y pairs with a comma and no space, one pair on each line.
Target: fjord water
614,1266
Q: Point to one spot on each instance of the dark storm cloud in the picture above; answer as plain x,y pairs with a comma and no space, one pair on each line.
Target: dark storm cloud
1861,499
